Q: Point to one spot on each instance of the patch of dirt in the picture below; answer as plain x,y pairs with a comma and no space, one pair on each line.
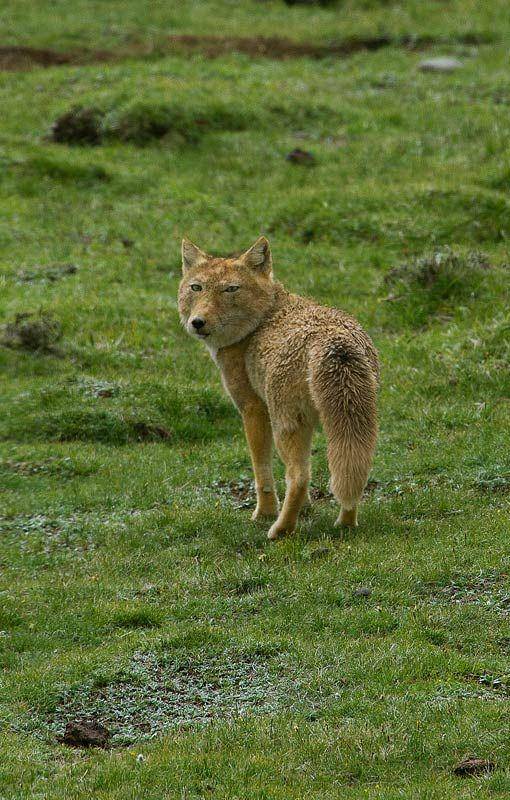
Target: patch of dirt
19,58
85,733
299,156
35,332
241,491
278,48
160,692
317,493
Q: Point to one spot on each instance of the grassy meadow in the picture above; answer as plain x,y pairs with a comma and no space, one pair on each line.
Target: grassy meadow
134,589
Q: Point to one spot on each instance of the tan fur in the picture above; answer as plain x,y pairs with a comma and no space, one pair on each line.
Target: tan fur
287,364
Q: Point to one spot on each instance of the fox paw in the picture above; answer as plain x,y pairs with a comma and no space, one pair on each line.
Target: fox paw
347,519
269,508
277,530
264,513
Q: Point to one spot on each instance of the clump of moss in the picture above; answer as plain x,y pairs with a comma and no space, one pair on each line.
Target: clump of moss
143,122
35,332
80,125
139,123
434,282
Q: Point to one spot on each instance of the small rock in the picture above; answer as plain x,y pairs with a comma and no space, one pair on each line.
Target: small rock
85,733
298,156
441,64
363,591
474,766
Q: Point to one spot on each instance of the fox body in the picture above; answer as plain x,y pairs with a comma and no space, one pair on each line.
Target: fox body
288,364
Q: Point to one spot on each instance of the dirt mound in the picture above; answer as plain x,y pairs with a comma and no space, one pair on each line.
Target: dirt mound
85,733
35,332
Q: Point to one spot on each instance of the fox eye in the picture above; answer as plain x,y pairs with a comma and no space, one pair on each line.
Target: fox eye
232,288
195,287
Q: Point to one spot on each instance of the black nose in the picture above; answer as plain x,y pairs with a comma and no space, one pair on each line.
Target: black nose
198,323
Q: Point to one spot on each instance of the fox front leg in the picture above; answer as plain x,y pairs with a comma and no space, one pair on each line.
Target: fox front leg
257,427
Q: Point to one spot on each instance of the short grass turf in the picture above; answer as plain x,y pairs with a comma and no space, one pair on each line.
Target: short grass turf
134,586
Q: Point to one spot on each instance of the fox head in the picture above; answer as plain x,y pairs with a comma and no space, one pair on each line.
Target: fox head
222,300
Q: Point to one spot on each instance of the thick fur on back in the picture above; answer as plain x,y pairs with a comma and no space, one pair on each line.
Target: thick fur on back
292,360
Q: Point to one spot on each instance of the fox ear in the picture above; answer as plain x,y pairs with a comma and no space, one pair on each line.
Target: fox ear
191,255
258,257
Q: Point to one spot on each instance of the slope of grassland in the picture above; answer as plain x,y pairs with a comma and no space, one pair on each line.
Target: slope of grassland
134,587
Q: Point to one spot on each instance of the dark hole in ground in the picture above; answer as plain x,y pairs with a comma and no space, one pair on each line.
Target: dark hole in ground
474,766
149,432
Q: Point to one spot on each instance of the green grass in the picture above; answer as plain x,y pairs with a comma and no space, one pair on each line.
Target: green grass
133,584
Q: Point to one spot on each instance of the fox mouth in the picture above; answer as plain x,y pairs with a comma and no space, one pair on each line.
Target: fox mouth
202,334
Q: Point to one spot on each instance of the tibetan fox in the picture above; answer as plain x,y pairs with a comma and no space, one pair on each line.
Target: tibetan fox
288,364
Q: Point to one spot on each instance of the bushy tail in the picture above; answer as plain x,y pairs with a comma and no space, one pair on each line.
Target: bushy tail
343,383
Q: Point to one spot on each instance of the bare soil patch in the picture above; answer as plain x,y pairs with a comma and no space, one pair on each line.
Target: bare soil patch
18,58
241,491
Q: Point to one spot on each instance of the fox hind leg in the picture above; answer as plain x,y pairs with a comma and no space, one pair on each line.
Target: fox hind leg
294,448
